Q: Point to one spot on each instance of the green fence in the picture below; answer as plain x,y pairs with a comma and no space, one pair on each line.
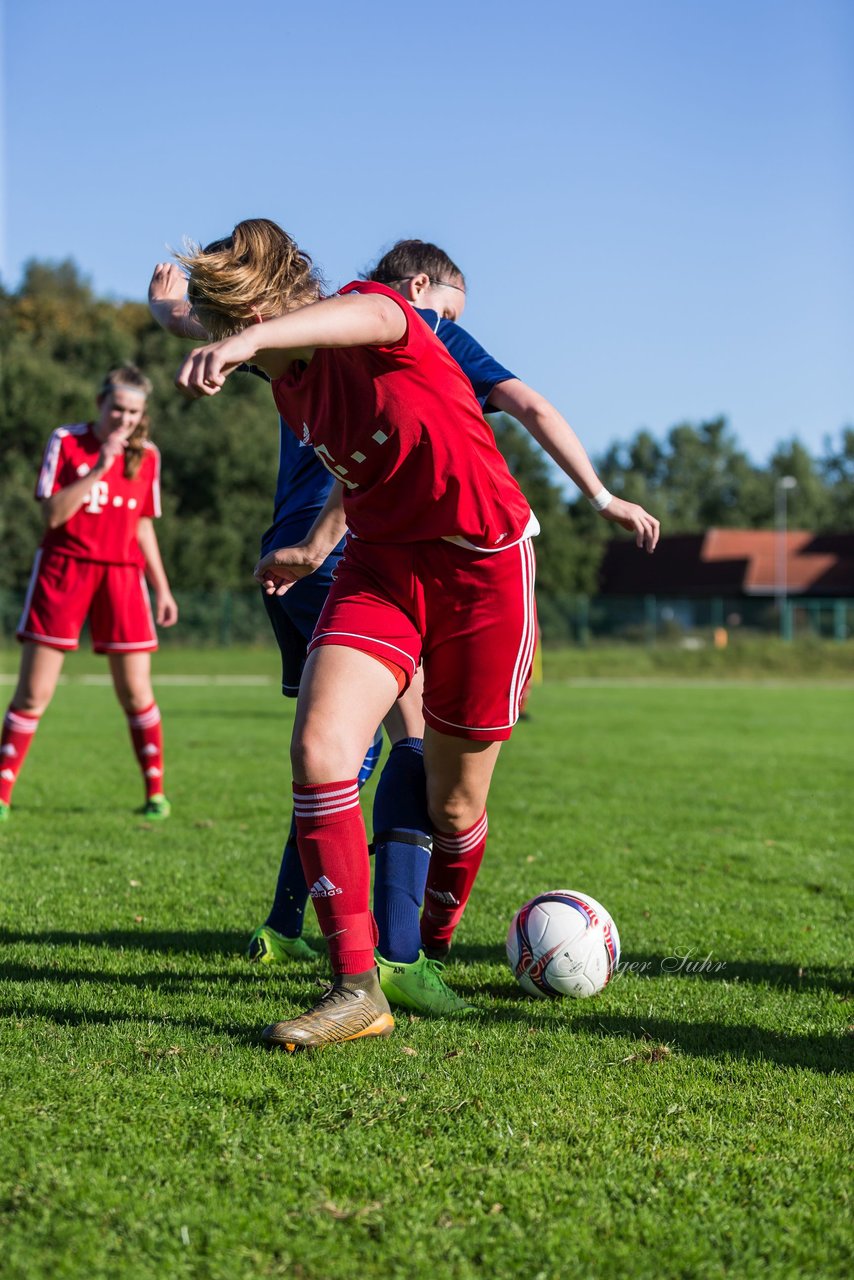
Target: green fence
222,618
679,619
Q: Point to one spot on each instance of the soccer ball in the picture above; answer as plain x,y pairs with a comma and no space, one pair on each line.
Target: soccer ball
563,943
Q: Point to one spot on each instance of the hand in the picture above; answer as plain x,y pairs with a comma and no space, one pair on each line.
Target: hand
633,517
205,370
280,569
112,448
168,284
166,609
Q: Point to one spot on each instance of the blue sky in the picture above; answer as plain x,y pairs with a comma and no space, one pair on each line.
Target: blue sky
653,201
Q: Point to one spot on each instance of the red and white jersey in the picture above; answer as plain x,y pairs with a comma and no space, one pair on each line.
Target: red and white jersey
104,527
400,427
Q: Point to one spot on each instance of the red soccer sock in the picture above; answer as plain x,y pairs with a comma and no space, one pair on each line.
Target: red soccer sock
19,728
147,738
453,870
333,850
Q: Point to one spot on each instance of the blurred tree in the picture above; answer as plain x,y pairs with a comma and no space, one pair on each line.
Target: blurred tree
220,455
837,471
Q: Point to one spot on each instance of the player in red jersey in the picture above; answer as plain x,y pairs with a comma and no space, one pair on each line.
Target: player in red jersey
99,490
438,569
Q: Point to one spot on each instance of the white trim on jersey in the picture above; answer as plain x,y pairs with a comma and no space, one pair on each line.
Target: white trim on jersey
155,483
50,458
532,528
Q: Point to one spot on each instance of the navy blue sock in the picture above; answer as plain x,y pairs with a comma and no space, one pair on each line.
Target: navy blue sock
288,906
402,843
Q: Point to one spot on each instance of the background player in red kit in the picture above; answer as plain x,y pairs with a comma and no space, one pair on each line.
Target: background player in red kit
438,569
99,490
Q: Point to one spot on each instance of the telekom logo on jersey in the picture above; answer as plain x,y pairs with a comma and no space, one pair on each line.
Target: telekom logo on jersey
97,498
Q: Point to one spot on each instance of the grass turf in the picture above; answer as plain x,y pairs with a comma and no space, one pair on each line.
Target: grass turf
688,1122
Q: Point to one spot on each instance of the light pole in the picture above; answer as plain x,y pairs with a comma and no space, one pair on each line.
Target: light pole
781,490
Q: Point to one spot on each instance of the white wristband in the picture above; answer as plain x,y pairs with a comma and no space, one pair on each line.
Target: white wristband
600,500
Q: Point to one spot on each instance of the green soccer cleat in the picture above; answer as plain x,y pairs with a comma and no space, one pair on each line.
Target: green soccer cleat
156,808
5,811
420,986
266,946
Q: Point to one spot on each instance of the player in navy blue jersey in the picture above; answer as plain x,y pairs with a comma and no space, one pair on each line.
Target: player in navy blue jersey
426,277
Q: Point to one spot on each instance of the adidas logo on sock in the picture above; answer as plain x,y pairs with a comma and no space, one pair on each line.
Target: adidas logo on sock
440,895
149,750
9,750
324,888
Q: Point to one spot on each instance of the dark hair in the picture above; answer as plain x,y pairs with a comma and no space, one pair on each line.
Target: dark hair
412,257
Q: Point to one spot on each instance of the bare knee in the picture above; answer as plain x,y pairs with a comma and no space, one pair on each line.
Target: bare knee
134,701
455,812
318,757
32,702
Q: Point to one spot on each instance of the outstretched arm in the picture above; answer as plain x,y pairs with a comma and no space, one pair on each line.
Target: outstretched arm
554,434
351,320
169,304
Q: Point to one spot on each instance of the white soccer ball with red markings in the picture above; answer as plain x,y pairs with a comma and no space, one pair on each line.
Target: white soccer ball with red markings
563,943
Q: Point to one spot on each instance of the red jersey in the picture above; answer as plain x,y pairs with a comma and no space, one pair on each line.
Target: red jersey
104,527
400,427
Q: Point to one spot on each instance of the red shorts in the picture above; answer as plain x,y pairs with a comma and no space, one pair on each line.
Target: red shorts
63,591
469,616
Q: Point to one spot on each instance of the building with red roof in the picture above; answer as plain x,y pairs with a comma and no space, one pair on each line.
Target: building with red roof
732,563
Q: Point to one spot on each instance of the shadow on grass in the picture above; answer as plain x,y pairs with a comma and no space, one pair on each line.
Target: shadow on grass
791,977
230,943
251,977
828,1054
477,953
243,1034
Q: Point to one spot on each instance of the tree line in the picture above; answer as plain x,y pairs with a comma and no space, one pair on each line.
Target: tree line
220,456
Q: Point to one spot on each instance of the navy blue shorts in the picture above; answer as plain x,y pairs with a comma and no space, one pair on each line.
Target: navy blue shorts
293,617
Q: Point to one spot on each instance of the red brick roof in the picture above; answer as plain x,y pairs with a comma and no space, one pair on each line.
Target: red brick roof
732,562
813,564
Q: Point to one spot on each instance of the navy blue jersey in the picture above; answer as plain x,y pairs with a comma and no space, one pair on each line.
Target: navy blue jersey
303,482
483,372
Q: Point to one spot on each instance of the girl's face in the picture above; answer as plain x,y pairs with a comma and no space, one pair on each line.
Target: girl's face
121,411
446,297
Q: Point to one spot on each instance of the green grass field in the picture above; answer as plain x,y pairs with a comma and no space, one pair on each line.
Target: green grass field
685,1123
